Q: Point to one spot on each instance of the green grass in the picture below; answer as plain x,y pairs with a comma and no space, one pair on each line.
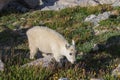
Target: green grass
20,74
70,23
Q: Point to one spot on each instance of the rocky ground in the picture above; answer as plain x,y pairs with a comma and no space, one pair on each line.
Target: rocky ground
25,5
95,30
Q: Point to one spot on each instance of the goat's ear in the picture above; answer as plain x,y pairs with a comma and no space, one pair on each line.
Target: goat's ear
67,46
73,42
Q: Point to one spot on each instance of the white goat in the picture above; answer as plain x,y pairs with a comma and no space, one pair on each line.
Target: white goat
50,41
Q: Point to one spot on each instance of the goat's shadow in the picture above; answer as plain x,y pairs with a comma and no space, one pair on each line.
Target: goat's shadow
13,46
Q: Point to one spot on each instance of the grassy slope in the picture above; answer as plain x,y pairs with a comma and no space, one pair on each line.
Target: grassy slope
70,23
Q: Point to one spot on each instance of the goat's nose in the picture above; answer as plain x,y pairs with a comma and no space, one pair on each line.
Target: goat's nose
73,62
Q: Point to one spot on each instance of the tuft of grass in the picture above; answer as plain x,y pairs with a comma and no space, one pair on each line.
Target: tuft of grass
109,77
33,73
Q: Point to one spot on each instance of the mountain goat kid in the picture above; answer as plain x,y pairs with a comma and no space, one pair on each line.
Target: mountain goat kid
49,41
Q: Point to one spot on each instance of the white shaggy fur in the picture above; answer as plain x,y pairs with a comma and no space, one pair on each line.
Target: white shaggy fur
50,41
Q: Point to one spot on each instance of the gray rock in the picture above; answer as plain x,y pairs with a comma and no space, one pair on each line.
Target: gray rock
104,16
3,3
93,3
95,47
63,79
55,4
1,66
116,72
116,3
96,19
28,3
44,62
59,4
105,1
85,3
17,6
32,3
91,17
96,79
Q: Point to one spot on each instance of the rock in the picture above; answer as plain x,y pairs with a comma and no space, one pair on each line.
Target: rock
85,3
96,79
31,3
3,3
89,18
93,19
59,4
44,62
1,66
106,1
93,3
95,47
63,79
103,16
17,6
96,19
116,72
116,3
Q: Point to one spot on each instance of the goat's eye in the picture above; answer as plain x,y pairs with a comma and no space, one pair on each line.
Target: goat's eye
70,53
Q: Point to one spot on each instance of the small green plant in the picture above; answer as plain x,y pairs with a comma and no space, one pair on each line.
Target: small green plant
29,73
109,77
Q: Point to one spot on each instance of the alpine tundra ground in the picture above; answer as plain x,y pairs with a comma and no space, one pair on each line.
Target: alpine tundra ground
70,23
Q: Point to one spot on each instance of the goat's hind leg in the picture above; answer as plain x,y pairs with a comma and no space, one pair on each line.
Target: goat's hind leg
33,51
